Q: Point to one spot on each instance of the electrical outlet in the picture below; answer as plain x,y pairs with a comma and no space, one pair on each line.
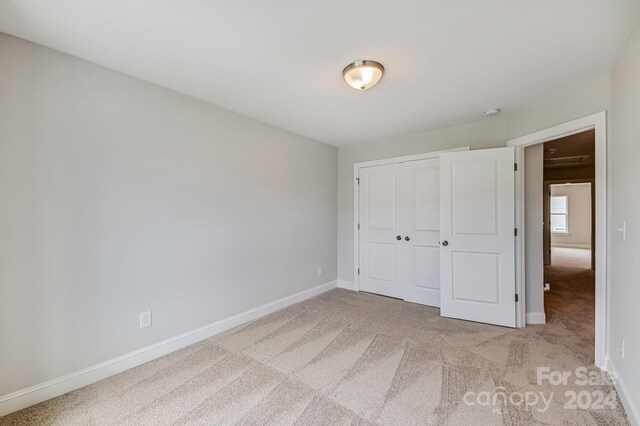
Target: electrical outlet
145,319
320,271
622,348
547,287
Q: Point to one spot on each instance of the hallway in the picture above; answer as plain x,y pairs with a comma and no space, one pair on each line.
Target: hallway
571,301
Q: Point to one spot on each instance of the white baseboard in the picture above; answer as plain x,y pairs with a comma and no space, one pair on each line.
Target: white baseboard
32,395
536,318
630,407
347,285
576,246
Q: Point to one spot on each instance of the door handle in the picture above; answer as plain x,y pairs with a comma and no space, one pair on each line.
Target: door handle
398,238
445,243
407,238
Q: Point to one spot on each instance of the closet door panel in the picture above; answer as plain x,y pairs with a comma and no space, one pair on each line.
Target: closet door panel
421,233
380,203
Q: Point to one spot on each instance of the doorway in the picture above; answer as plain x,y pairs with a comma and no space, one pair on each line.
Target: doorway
569,229
531,256
569,224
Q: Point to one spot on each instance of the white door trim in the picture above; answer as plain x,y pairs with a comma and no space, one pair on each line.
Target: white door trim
356,197
598,122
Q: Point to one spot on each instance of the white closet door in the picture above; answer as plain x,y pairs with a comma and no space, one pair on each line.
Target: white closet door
380,247
477,256
421,233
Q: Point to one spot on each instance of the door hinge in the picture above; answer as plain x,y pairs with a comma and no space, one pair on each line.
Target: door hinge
358,181
515,233
516,297
515,167
358,271
358,226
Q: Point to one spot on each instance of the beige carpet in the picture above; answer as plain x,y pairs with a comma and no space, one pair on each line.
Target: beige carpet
347,358
571,301
571,257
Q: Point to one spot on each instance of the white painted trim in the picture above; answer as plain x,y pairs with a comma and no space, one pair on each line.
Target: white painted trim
347,285
521,277
536,318
560,131
598,122
41,392
576,246
630,407
406,158
356,231
356,197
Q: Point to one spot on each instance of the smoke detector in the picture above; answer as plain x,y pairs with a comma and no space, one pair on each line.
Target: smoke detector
492,112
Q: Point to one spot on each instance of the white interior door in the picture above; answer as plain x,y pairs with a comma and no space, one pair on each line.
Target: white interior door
380,239
477,223
421,231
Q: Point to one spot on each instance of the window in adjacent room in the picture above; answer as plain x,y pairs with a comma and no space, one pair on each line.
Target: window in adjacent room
559,214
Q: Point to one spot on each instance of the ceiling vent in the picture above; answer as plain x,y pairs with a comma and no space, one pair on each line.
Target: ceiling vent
574,161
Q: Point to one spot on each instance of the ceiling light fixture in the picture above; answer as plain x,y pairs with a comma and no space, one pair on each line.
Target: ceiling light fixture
362,75
492,112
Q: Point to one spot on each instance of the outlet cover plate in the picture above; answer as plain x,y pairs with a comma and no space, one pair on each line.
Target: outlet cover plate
145,319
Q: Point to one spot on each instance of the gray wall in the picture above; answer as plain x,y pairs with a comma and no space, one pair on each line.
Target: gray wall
569,102
118,196
534,219
625,176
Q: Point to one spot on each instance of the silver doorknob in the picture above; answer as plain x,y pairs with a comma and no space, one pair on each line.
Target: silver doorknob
407,238
445,243
398,238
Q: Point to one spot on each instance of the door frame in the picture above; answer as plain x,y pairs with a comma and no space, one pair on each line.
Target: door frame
591,181
597,121
356,197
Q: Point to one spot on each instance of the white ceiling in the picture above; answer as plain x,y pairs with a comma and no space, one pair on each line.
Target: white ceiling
280,61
